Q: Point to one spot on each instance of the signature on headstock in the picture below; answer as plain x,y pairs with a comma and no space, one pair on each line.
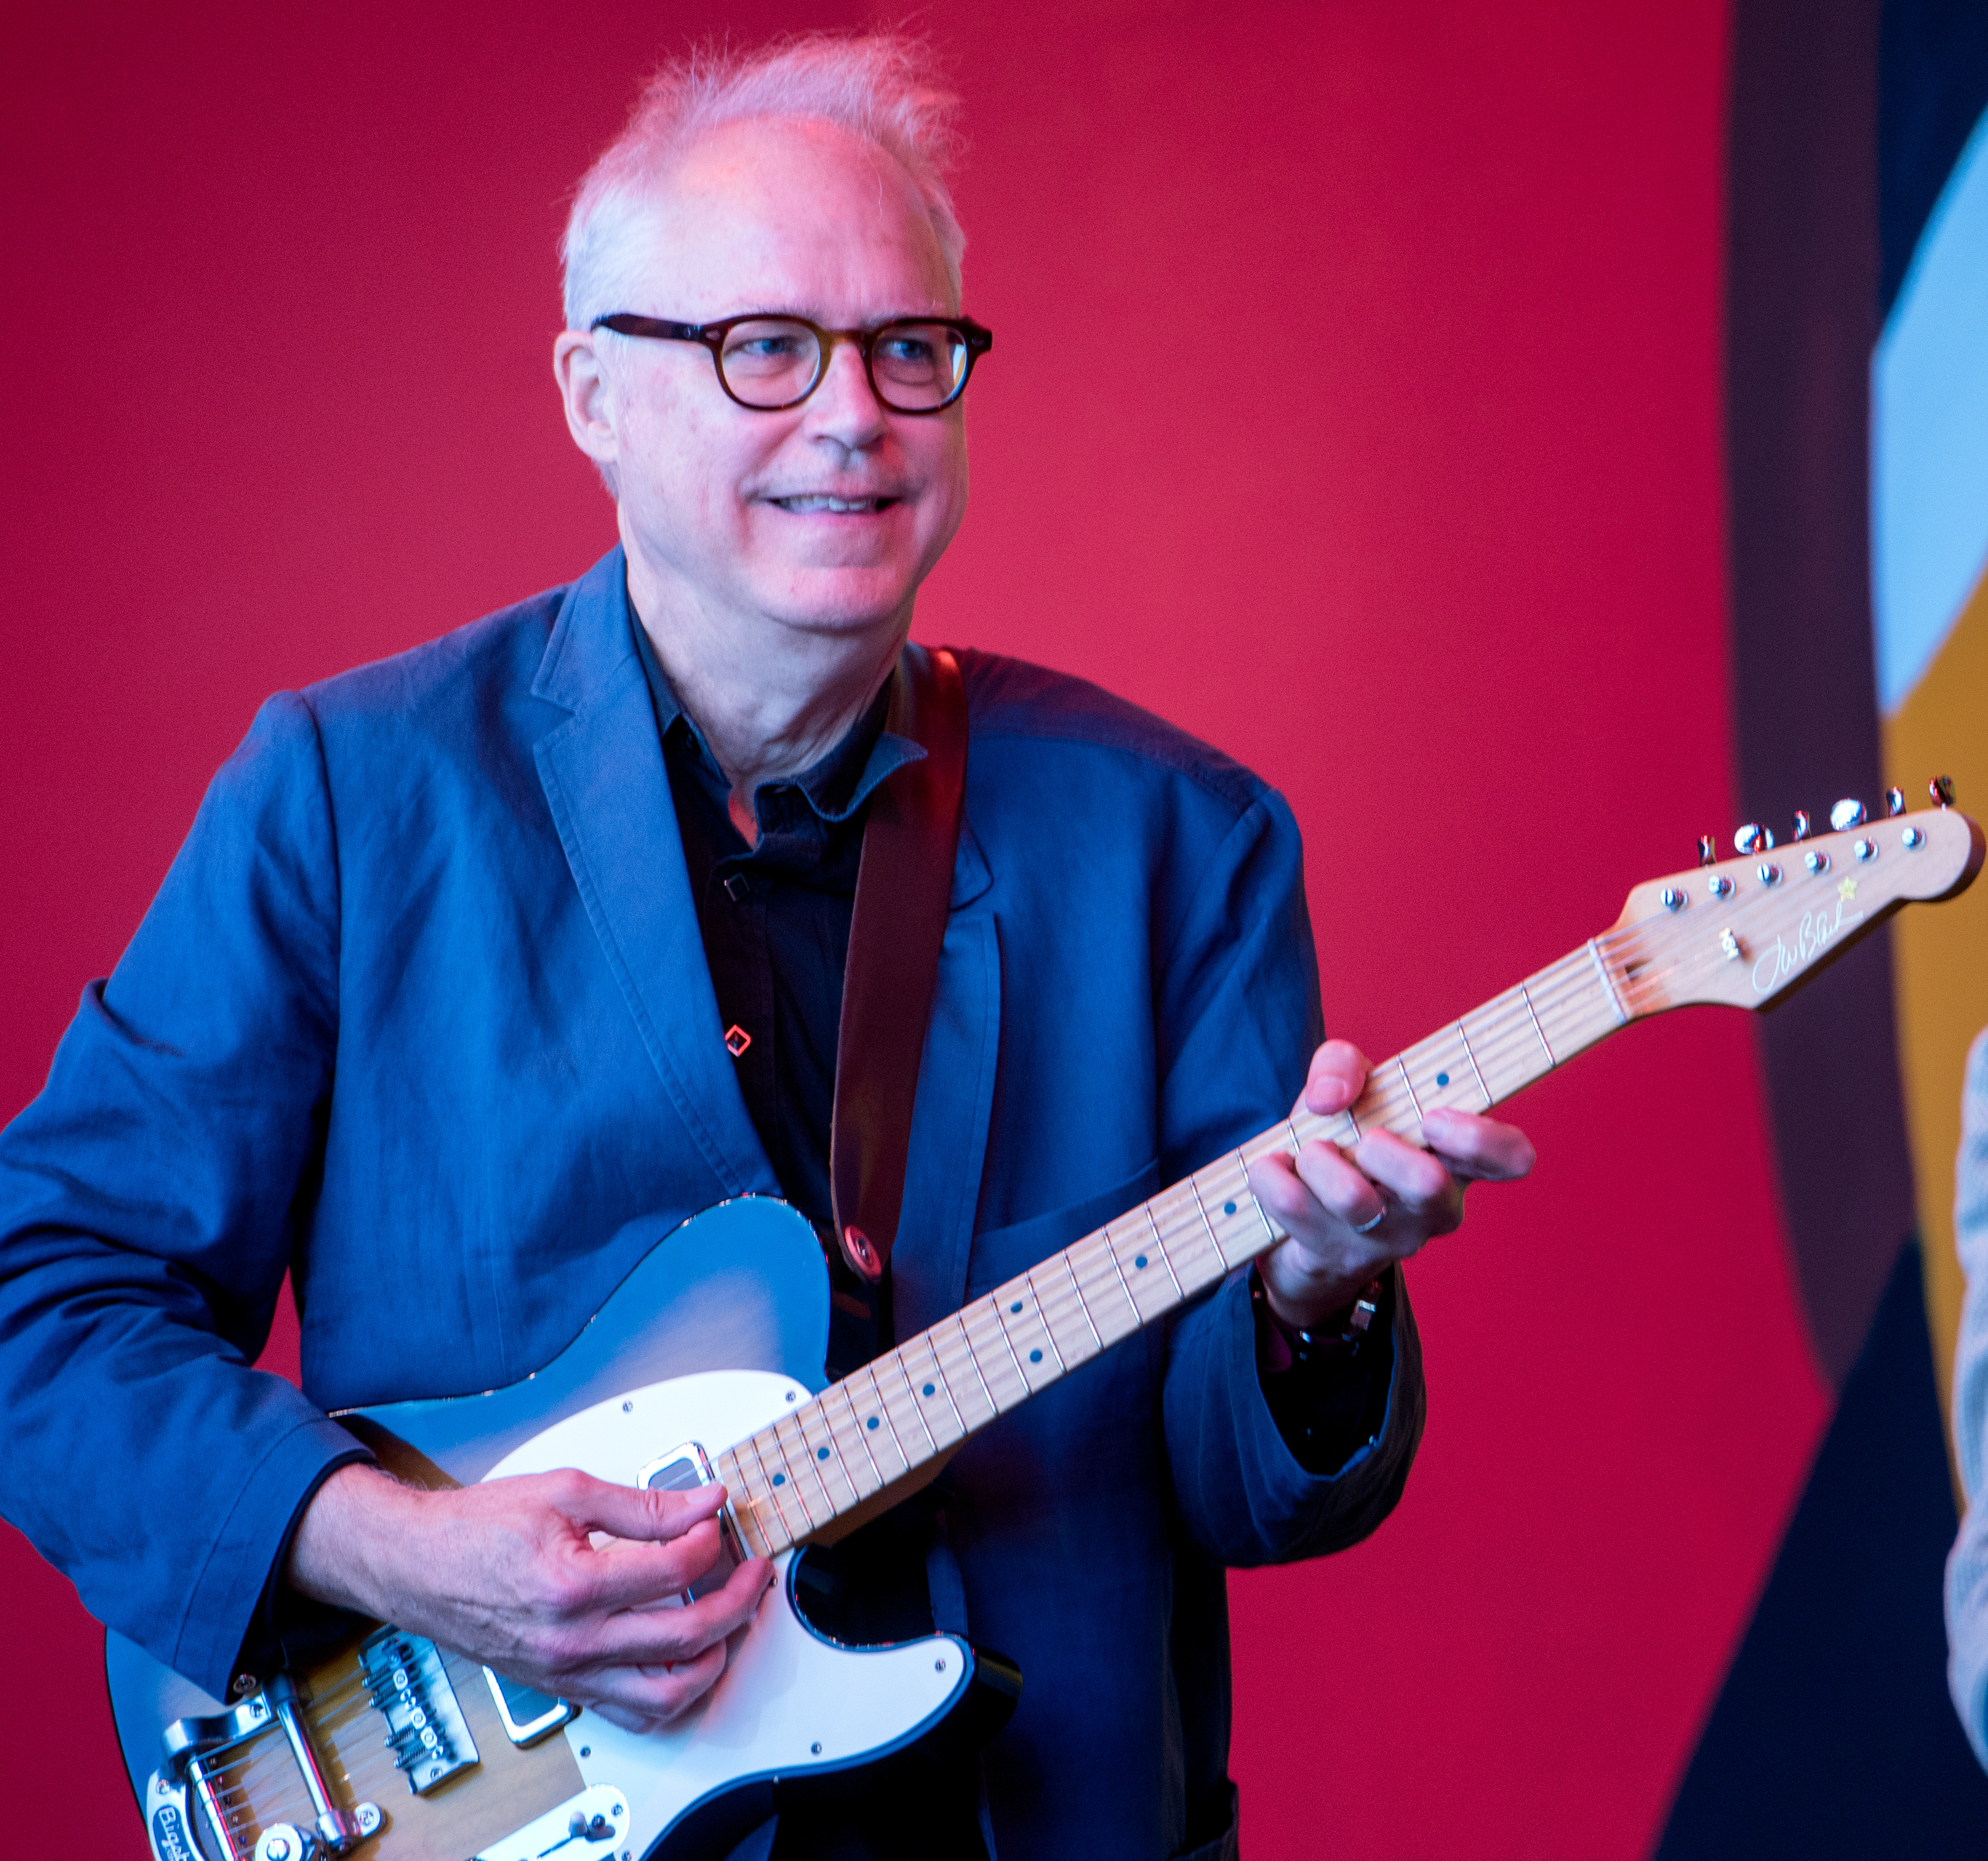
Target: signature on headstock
1818,928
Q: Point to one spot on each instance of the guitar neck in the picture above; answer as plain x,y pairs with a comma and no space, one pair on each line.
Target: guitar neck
878,1429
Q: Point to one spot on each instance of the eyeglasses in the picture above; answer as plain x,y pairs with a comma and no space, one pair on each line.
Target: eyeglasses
916,365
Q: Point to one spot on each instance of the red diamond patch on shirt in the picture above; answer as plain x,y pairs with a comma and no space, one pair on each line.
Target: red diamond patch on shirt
736,1040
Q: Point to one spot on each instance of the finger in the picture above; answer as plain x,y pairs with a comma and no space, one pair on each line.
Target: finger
1321,1178
639,1637
1416,1180
641,1698
632,1512
1479,1147
1337,1078
630,1574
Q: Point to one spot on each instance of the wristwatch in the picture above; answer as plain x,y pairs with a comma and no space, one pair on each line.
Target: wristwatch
1335,1340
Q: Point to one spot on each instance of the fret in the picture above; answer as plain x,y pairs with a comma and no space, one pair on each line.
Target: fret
743,1501
1034,1303
862,1434
1608,983
802,1465
774,1489
1201,1209
1131,1265
1476,1072
1008,1344
1111,1254
1270,1234
1160,1247
826,1456
1510,1053
895,1362
878,1419
958,1324
1205,1263
934,1387
995,1347
1068,1258
1401,1061
1108,1308
1532,1015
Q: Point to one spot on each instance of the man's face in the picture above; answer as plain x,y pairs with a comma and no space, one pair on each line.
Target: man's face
728,508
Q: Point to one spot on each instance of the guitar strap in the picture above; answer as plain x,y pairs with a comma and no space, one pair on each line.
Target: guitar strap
904,885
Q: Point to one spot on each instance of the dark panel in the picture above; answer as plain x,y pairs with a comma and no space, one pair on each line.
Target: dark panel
1801,317
1834,1735
1932,87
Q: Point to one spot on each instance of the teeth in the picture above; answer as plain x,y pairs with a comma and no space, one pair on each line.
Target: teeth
809,504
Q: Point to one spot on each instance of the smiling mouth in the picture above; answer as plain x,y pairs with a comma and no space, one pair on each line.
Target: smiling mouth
813,506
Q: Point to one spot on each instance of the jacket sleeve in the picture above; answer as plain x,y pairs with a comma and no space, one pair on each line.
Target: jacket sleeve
149,1200
1967,1563
1238,1016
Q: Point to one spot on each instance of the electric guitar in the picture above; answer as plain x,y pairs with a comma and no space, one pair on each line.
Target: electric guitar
704,1365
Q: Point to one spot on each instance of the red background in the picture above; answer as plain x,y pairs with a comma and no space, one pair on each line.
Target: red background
1401,482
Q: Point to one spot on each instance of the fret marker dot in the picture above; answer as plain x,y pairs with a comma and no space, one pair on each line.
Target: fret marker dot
821,1453
929,1389
1442,1079
1228,1208
1016,1306
1139,1261
1035,1356
779,1480
872,1421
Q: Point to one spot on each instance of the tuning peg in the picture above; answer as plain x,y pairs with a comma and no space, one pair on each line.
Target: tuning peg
1752,838
1894,801
1847,815
1801,823
1941,788
1707,852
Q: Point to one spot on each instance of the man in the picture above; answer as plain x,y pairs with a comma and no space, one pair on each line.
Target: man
1966,1589
475,958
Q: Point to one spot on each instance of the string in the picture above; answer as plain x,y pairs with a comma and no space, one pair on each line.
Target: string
1620,976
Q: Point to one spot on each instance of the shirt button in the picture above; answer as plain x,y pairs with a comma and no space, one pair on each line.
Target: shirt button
737,888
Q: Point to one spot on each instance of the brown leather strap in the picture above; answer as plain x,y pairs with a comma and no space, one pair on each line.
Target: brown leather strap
904,886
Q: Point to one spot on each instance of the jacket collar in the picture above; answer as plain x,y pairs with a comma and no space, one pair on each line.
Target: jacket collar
606,784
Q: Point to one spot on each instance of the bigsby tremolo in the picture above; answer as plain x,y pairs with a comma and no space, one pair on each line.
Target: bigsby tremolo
197,1753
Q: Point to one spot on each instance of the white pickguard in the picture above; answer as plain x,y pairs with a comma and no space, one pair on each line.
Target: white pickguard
789,1702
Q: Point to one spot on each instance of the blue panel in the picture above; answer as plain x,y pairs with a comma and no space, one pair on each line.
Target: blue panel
1929,434
1932,87
1834,1735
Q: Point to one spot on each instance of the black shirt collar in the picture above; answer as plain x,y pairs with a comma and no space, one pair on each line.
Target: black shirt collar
834,789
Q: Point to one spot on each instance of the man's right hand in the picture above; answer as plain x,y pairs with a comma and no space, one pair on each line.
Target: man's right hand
561,1580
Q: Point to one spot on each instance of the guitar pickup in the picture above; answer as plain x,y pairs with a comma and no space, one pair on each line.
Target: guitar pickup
528,1714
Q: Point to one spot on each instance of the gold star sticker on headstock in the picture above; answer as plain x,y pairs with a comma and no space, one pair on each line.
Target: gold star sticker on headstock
1846,888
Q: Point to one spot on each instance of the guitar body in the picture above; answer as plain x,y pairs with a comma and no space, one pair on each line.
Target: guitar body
720,1331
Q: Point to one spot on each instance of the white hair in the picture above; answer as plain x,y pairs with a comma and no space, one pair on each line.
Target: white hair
882,86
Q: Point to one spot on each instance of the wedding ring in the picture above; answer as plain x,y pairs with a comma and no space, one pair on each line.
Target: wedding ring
1367,1227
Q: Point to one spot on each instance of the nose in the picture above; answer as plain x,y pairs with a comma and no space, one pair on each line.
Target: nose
844,407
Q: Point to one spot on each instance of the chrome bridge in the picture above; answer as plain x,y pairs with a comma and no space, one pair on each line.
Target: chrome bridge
197,1807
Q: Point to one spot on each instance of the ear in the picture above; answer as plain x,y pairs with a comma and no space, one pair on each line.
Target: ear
588,400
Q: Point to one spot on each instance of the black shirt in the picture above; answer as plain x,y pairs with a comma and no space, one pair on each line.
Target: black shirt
775,918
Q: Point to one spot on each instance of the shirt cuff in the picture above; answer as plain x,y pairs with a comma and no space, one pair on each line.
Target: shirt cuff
1328,1399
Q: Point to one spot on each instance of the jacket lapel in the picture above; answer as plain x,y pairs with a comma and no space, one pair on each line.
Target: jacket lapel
955,1101
604,780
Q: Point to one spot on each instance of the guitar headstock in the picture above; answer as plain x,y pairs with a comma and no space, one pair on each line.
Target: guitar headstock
1746,931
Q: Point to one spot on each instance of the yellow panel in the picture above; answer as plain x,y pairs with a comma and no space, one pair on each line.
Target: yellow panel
1940,952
